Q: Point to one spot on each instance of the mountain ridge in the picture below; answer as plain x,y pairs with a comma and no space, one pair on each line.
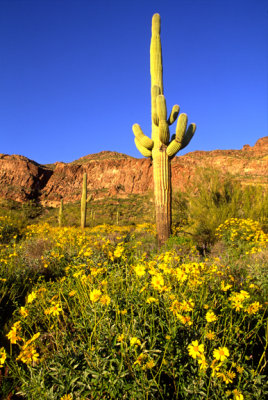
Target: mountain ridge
117,174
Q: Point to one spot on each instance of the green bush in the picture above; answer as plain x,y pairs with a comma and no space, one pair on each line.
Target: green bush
217,197
8,230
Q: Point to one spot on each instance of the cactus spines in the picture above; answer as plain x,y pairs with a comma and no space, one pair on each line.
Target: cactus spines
160,148
84,201
60,213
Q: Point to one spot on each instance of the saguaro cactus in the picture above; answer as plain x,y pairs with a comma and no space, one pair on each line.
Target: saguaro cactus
60,213
160,148
84,201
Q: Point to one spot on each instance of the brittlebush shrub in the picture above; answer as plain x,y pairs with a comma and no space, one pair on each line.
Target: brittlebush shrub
125,324
244,236
8,230
213,199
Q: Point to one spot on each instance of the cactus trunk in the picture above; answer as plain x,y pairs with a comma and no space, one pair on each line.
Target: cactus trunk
162,194
84,202
161,162
159,147
61,213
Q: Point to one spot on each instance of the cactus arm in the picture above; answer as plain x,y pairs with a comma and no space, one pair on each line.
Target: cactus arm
182,137
145,152
181,127
173,148
173,115
144,140
188,136
162,116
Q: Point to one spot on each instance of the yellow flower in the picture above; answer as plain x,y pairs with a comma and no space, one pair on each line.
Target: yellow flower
187,305
135,341
158,281
253,308
118,251
150,364
105,300
181,275
210,335
239,369
33,338
95,295
3,356
139,270
175,307
55,309
211,316
215,367
202,362
151,300
184,319
120,338
24,312
140,359
221,353
237,395
67,397
13,334
72,293
31,297
28,355
225,287
195,349
228,377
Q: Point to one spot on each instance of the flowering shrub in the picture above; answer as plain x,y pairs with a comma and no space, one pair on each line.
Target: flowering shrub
243,235
8,230
122,323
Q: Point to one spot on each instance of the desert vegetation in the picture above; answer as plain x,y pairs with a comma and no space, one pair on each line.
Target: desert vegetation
102,312
161,148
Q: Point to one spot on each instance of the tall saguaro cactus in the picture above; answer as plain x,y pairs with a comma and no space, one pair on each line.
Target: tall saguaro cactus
160,148
84,201
60,218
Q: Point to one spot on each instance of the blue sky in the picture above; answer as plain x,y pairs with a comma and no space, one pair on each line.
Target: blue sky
75,74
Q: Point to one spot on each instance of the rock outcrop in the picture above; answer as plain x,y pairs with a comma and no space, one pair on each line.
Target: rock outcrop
111,173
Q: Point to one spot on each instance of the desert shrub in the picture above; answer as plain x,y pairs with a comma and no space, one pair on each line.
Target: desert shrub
8,230
31,209
122,323
254,205
214,198
180,210
243,236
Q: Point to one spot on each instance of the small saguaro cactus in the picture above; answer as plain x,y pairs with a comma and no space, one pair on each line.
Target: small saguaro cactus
160,148
61,213
84,201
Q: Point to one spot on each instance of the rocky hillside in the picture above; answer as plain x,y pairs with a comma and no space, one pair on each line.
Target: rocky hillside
111,173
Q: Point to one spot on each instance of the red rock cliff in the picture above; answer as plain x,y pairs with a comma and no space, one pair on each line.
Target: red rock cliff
111,173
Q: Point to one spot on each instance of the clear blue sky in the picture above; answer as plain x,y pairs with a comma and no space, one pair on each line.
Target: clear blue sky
75,74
